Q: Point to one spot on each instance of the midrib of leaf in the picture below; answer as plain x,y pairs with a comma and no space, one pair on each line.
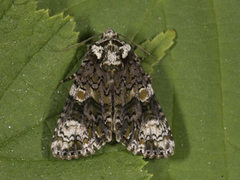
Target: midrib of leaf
220,71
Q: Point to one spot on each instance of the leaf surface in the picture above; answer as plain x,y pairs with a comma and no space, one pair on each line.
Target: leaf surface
196,83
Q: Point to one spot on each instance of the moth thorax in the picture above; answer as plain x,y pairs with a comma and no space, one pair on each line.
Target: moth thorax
111,58
111,54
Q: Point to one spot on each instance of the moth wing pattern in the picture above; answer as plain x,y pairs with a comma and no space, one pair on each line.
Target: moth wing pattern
112,99
82,127
140,122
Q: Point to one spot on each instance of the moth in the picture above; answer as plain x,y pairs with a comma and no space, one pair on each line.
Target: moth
111,99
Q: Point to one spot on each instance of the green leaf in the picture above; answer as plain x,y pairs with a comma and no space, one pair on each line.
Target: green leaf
30,70
157,48
196,83
32,99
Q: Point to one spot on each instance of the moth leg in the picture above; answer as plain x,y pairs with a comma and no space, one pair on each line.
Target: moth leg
70,78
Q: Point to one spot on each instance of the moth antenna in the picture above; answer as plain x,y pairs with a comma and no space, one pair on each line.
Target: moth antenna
78,44
139,47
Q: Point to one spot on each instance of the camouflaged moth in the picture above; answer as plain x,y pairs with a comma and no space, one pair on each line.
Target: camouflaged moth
112,99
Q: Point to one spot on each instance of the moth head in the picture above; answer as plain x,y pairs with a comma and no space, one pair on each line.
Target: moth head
111,54
109,34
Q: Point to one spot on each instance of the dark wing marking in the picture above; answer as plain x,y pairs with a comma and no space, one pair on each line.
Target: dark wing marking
140,123
85,122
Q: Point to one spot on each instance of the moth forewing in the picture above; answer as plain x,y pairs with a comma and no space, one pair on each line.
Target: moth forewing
112,95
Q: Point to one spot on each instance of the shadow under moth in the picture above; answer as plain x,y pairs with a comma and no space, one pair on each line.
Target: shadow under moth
111,99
